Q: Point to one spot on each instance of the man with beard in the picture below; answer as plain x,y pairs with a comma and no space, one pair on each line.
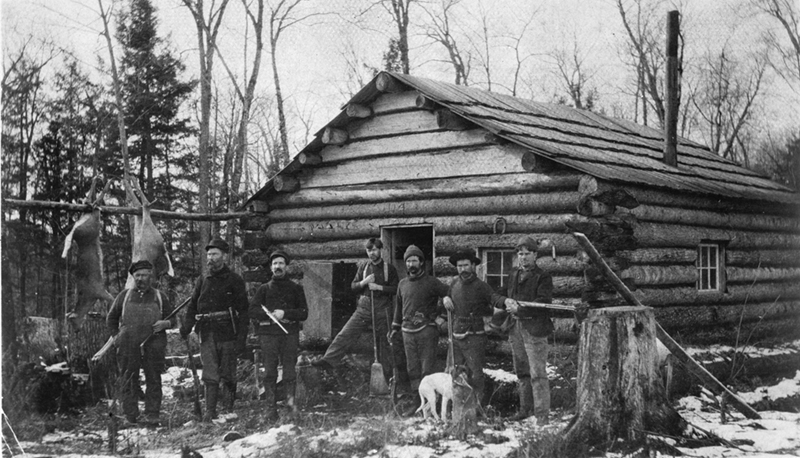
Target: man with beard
376,281
469,301
286,302
416,309
218,308
135,315
529,330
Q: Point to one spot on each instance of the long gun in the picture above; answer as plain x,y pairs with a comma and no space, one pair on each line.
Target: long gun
272,317
197,409
541,305
168,317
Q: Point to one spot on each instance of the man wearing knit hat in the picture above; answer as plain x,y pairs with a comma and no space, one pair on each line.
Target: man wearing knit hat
469,301
416,309
135,315
529,329
286,302
217,312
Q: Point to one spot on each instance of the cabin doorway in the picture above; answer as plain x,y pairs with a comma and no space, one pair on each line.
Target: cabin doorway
396,239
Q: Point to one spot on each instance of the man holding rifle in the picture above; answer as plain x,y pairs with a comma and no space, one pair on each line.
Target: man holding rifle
279,308
529,329
218,313
139,318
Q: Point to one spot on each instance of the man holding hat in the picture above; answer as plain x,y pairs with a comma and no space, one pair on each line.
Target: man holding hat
217,312
135,315
529,330
279,331
470,300
416,309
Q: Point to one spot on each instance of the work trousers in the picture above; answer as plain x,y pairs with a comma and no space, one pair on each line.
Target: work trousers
530,365
130,360
471,351
420,349
358,324
279,349
219,360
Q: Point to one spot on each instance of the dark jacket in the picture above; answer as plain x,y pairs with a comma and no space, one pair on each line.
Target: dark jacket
279,294
382,297
472,300
534,285
133,333
417,302
221,291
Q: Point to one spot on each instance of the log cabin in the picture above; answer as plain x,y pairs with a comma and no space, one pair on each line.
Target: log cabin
707,243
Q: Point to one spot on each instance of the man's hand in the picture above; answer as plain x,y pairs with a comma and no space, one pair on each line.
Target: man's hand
448,304
375,287
161,325
512,305
391,334
368,280
278,313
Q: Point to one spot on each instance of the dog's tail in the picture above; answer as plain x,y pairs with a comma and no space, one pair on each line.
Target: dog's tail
421,405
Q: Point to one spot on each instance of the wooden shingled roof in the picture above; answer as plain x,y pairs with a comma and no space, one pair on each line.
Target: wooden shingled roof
607,148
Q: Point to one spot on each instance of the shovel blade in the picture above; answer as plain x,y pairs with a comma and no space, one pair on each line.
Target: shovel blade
377,383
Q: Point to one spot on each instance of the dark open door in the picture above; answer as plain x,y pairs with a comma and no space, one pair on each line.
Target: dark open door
397,238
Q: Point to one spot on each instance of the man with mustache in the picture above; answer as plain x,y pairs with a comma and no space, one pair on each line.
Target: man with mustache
469,301
286,301
416,309
217,312
135,315
530,328
376,281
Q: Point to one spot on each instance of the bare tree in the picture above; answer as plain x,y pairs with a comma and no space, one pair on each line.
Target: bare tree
572,71
399,12
517,40
482,45
787,14
440,31
724,100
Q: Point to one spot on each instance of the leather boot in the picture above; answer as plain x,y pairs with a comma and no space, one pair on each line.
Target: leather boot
525,400
290,399
230,396
271,410
212,394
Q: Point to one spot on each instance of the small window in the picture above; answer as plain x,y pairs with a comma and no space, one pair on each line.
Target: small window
710,268
498,264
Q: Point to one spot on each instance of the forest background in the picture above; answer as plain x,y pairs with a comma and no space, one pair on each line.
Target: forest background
218,95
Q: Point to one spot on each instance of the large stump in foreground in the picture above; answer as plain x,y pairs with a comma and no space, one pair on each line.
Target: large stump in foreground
620,395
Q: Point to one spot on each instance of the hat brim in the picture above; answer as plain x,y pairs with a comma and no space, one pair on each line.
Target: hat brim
472,258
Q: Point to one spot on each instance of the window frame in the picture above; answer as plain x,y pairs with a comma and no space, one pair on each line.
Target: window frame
483,268
715,265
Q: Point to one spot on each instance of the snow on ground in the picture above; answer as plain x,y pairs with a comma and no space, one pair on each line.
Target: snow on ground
718,353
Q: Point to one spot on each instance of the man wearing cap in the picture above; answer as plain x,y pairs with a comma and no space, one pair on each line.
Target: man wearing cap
136,314
376,282
217,312
416,309
279,331
469,301
529,329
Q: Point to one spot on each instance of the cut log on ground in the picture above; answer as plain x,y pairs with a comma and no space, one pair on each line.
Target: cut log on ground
620,395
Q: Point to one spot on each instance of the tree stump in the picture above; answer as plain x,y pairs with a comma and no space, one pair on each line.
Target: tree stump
620,395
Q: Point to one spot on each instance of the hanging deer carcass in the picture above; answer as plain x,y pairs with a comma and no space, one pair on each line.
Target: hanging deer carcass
149,244
89,265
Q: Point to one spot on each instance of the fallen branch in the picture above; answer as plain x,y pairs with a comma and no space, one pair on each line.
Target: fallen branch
163,214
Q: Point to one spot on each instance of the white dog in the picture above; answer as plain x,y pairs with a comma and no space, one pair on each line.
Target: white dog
440,383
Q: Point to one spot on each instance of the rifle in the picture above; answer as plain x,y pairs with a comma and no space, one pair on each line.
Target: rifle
172,314
541,305
197,409
272,317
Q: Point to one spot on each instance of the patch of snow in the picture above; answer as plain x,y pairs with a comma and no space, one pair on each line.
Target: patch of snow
261,444
786,388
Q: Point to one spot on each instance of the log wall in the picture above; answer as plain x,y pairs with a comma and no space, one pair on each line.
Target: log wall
399,166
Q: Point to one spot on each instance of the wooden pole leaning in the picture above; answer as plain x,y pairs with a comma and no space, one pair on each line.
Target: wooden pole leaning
709,380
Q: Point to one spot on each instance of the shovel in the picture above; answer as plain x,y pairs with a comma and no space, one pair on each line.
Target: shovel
377,382
450,365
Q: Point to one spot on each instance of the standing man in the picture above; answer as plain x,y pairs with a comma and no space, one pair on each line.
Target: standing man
286,302
470,300
135,315
416,309
218,308
376,281
529,329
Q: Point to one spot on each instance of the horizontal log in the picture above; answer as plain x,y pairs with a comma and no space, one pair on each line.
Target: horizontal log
568,286
764,274
448,120
498,185
659,256
357,111
155,213
736,294
425,103
606,193
257,206
540,208
254,223
659,235
307,158
391,103
681,317
463,162
722,220
649,196
403,144
661,275
764,258
285,183
399,123
334,136
539,164
387,83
